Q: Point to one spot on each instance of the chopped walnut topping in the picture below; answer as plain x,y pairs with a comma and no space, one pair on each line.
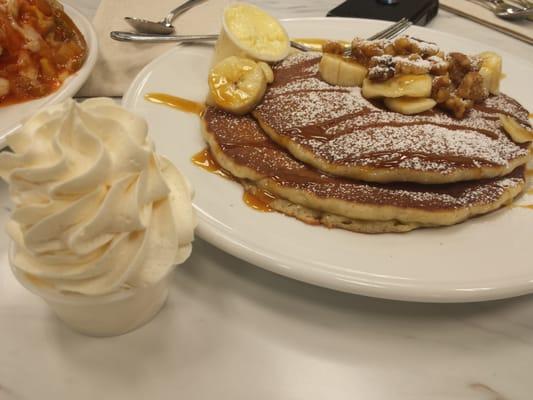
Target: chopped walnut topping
364,50
386,66
413,64
381,68
456,85
404,46
460,65
439,66
333,48
472,88
428,49
457,105
441,88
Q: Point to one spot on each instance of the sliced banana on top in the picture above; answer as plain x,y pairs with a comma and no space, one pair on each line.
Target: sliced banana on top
335,70
237,84
267,70
409,105
399,86
518,132
491,71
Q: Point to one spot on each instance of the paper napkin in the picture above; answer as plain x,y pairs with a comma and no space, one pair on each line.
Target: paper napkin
522,29
119,62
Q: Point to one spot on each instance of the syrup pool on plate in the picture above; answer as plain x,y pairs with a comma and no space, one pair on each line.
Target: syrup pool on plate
260,200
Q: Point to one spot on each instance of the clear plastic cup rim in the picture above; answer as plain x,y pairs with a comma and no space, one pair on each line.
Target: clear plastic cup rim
237,42
52,295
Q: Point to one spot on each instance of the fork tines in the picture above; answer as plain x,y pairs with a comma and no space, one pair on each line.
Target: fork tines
387,33
393,30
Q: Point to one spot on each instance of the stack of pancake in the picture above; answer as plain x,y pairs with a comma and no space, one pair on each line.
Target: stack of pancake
330,156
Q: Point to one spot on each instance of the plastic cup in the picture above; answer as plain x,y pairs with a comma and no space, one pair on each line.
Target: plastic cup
229,44
106,315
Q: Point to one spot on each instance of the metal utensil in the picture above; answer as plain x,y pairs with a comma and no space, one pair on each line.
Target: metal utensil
152,38
504,10
393,30
515,14
388,33
525,4
163,27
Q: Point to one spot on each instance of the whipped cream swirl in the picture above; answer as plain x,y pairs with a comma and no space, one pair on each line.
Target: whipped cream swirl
97,210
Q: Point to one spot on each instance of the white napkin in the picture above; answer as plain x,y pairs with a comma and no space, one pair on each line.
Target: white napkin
522,29
119,62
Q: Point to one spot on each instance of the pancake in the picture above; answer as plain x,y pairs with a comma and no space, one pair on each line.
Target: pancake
241,147
338,131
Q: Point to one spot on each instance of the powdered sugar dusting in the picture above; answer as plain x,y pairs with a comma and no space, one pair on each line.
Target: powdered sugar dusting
299,85
297,58
245,143
429,147
341,127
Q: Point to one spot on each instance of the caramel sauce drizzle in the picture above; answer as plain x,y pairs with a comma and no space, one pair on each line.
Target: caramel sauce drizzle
205,160
260,200
316,44
176,102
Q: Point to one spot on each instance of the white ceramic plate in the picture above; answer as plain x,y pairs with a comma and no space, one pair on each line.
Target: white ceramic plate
12,115
481,259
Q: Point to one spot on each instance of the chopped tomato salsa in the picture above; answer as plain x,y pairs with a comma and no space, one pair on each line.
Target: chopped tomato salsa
40,47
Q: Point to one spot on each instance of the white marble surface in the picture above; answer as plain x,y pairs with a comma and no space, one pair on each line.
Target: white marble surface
233,331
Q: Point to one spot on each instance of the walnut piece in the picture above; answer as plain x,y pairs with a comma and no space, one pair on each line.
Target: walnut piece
457,105
413,64
333,48
457,83
460,65
381,68
364,50
441,88
472,87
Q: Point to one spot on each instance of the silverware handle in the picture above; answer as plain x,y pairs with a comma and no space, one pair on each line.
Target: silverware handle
524,13
151,38
180,10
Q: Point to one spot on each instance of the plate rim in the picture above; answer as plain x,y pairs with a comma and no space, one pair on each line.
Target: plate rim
71,86
314,275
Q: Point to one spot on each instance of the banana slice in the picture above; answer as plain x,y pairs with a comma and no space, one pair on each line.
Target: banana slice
237,84
269,74
518,132
335,70
491,71
399,86
329,68
409,105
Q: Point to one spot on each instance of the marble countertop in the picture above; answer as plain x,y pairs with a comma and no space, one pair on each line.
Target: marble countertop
234,331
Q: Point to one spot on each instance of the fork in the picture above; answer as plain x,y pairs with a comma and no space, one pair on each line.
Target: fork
504,9
387,33
525,4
